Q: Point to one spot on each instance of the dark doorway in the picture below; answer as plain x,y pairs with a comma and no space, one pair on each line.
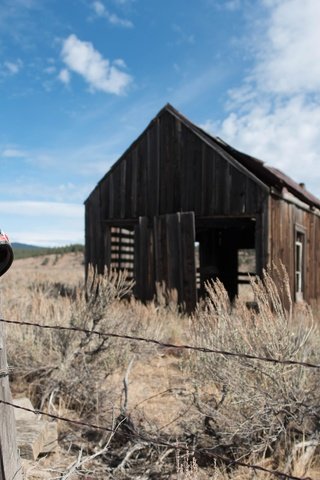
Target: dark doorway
219,241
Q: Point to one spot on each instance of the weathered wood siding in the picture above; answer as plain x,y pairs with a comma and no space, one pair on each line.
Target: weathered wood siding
170,169
94,233
284,218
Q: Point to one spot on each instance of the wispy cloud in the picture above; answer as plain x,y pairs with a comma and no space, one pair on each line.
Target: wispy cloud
50,237
30,189
101,11
39,209
288,57
124,2
50,70
182,36
11,67
193,87
81,57
43,223
231,5
11,152
275,112
64,76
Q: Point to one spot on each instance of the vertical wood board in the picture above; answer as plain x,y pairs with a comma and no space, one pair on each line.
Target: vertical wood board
11,467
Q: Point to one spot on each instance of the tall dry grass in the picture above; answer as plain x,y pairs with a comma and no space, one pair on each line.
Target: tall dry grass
266,413
256,407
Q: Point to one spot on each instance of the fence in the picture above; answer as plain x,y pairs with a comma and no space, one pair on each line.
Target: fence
146,438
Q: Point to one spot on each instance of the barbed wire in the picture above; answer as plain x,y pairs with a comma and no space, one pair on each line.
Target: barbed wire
215,456
135,338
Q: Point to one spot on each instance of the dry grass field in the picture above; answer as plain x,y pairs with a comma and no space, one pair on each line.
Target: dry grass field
172,413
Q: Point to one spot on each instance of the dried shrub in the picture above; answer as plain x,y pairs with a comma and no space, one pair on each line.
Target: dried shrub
256,406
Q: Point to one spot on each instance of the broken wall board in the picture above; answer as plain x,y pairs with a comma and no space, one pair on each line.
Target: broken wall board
34,435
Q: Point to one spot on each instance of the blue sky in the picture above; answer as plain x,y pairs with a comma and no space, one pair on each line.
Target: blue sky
80,79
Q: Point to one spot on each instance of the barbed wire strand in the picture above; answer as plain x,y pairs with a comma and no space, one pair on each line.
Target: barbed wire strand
165,344
226,460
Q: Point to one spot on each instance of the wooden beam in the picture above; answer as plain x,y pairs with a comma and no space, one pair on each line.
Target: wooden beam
9,457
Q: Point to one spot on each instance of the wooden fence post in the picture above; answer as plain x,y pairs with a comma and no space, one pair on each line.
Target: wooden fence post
10,466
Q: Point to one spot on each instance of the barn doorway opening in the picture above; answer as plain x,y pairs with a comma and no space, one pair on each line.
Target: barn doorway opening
226,250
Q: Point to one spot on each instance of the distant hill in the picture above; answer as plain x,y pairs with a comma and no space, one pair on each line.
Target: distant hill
24,246
23,250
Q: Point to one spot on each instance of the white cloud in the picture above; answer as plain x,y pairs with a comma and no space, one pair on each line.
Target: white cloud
12,68
64,76
42,209
119,63
99,8
289,57
48,238
101,11
13,153
192,88
124,2
50,70
183,37
232,5
275,113
43,223
82,58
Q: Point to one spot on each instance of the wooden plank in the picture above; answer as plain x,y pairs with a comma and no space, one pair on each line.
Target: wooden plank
188,168
104,188
178,141
146,269
116,176
211,182
222,186
205,182
173,249
237,192
141,257
157,169
150,174
111,196
134,183
87,252
34,435
107,246
142,178
11,466
164,165
174,236
122,196
127,199
160,249
100,234
187,226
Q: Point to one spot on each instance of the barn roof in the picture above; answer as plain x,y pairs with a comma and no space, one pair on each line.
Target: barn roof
269,176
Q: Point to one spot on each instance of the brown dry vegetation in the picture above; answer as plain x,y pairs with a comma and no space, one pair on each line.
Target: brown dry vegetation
174,411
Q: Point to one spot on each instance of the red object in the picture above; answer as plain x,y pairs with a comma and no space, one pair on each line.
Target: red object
6,253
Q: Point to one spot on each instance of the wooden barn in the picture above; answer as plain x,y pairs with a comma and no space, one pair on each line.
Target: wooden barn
179,207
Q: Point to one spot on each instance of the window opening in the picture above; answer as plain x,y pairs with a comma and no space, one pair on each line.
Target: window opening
197,263
299,264
122,250
246,269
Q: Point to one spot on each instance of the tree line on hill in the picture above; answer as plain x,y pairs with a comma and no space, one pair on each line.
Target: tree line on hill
24,251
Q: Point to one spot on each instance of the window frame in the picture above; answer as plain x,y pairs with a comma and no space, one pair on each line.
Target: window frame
299,261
